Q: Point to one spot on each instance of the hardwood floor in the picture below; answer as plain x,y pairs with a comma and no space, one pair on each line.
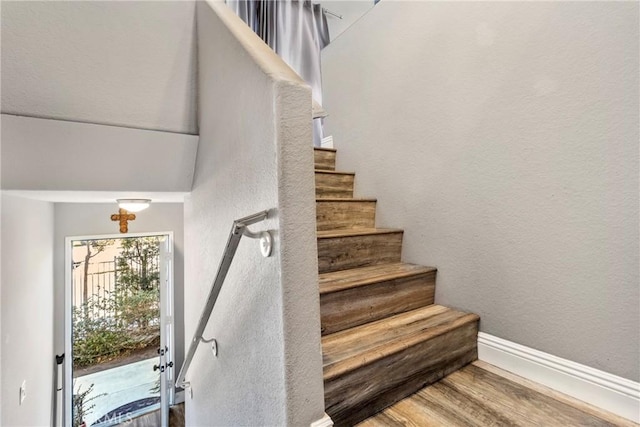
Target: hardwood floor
152,419
483,395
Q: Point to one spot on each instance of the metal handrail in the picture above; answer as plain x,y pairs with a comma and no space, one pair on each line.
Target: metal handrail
238,229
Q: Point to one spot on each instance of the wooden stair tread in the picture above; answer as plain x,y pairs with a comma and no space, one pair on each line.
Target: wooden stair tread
345,199
364,294
353,348
324,149
346,279
330,234
330,172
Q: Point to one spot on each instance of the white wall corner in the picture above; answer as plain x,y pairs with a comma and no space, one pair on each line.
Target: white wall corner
325,421
606,391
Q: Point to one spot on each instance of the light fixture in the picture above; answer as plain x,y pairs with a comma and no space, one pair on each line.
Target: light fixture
134,205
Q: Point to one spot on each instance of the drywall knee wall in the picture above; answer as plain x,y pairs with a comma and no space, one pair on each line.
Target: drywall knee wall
254,154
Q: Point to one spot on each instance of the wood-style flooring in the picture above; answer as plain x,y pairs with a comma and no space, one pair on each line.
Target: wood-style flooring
152,419
483,395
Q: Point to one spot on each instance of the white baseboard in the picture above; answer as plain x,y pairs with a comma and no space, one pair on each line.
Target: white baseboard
327,142
323,422
609,392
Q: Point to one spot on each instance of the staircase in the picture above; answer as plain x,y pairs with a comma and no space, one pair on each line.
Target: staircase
383,338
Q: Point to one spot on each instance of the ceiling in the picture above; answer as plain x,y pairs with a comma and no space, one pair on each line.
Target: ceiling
129,63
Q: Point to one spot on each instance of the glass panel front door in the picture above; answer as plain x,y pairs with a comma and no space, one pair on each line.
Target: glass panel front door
118,336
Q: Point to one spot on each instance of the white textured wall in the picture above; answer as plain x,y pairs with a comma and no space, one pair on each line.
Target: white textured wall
350,10
86,219
254,154
503,137
129,63
27,311
0,262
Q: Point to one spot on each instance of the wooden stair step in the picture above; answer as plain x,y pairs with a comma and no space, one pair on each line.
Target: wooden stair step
324,158
346,249
369,367
353,297
341,213
334,184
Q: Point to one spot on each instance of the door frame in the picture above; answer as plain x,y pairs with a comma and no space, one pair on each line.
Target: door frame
68,302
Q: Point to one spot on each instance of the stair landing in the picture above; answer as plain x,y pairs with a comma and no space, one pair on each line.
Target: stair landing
483,395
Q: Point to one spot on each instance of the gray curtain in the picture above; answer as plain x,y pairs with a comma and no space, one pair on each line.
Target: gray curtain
296,30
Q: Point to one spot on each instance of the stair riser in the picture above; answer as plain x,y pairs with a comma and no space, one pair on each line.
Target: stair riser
334,215
352,307
325,160
341,253
359,394
334,185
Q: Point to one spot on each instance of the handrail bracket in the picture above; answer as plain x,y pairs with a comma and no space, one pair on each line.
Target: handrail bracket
266,241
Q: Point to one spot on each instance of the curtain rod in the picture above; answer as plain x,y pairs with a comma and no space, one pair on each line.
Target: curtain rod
328,12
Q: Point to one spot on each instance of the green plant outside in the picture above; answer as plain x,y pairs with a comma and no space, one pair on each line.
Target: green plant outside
82,405
130,315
